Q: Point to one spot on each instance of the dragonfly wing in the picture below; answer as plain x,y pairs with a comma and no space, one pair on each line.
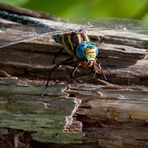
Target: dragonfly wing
116,25
13,33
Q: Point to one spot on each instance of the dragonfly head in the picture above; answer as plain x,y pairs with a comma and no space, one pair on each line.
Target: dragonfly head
87,51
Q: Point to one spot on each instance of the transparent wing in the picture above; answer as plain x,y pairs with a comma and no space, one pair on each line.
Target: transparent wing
12,33
115,25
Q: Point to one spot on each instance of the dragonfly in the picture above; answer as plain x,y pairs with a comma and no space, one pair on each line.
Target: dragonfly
73,37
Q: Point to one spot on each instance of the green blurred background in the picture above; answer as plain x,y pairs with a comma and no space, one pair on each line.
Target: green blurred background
89,9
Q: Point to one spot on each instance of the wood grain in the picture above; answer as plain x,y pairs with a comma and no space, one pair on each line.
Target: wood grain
112,113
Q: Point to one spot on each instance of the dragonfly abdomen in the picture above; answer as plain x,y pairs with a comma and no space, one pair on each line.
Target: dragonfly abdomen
21,19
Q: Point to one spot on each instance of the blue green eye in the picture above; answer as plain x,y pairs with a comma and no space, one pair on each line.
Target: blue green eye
81,50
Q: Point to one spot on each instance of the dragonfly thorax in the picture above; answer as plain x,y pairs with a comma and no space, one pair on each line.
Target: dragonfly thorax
71,40
78,44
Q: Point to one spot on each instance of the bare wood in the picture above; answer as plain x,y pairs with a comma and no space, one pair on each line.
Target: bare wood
116,116
115,112
121,67
23,108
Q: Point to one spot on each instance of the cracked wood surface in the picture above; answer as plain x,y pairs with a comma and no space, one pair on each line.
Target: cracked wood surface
107,114
111,114
35,59
46,118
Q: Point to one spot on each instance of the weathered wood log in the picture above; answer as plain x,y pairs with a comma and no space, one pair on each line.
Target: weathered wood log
117,117
113,113
109,114
45,118
37,57
124,58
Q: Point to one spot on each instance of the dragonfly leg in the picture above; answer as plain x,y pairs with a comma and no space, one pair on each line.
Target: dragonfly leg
73,73
53,69
94,75
104,76
57,54
102,71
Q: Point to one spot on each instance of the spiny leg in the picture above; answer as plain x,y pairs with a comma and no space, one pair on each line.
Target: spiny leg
104,76
57,54
102,71
94,75
53,69
74,71
98,66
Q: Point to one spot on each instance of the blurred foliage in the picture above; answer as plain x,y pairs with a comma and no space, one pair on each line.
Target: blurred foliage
14,2
93,9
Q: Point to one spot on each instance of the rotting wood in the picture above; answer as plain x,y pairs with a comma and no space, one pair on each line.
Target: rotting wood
113,114
35,60
124,58
23,108
109,114
117,117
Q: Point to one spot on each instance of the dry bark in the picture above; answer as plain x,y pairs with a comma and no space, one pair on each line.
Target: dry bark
113,113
